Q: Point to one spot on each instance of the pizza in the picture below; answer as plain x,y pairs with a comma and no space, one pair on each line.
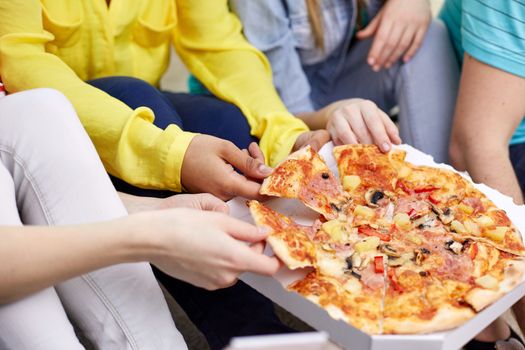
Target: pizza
398,248
305,176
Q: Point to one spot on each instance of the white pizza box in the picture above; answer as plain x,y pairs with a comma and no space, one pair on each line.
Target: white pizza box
343,333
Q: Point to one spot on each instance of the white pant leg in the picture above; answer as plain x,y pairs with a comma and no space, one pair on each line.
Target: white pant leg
59,179
39,321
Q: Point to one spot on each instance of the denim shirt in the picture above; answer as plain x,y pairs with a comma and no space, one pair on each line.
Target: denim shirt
281,29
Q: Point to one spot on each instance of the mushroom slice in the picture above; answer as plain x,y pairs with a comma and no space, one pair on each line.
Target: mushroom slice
426,221
454,246
373,196
388,250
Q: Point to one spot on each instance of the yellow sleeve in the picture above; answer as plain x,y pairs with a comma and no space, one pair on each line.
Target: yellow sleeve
130,146
208,39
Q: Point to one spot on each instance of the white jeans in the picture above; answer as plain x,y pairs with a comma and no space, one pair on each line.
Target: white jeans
50,174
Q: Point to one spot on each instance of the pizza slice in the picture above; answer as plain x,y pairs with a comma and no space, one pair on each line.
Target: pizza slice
351,301
364,168
478,218
417,302
290,241
304,175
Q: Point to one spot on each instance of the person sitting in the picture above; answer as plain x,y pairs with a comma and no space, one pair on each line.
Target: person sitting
69,254
489,127
326,54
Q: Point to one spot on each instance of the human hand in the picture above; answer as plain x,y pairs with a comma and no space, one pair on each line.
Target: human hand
398,30
360,121
206,249
208,166
316,139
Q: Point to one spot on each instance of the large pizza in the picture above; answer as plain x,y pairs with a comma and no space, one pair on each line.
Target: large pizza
398,248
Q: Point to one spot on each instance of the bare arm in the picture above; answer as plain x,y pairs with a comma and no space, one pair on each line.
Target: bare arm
33,258
489,108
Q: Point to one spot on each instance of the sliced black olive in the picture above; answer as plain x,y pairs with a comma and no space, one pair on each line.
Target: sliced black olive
423,273
349,263
447,211
356,275
325,176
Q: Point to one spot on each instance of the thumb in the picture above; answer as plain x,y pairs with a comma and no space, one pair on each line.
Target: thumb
241,230
370,29
209,202
249,166
318,139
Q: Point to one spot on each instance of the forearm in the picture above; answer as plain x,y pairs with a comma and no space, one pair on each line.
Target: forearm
489,108
33,257
490,164
315,120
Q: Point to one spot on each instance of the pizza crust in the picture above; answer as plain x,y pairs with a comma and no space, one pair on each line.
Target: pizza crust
480,298
282,251
447,317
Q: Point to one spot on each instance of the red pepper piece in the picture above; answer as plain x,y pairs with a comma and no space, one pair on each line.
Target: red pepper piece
378,264
426,189
433,200
404,187
411,213
368,231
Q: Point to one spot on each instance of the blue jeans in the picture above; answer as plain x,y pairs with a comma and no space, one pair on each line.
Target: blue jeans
203,114
234,311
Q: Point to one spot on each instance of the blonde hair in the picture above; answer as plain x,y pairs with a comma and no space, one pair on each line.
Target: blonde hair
316,21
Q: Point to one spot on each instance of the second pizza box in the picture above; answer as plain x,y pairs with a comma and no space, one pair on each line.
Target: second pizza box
342,333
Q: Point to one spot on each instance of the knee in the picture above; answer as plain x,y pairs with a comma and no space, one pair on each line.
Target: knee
37,117
123,85
38,109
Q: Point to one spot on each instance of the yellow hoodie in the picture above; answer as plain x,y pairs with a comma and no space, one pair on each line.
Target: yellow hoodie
62,43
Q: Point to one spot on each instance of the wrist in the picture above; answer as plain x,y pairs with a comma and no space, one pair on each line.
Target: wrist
134,240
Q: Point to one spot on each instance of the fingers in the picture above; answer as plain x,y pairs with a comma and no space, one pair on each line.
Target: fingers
236,184
375,125
401,47
262,264
319,139
241,230
416,44
391,128
256,152
209,202
379,43
340,129
394,35
248,165
354,118
370,29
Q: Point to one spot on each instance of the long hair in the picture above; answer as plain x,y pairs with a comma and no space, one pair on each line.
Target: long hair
315,17
316,21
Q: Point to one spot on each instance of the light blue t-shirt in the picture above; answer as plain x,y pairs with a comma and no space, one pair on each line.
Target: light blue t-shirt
491,31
